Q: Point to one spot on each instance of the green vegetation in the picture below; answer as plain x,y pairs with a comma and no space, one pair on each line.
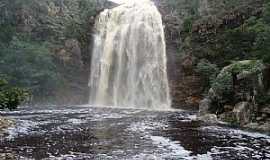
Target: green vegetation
29,65
32,32
209,72
249,66
226,36
223,84
78,26
11,97
261,28
233,34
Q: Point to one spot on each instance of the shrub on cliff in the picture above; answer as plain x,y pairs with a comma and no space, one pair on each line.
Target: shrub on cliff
208,71
223,87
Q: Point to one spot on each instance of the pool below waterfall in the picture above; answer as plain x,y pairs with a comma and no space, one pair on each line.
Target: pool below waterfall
79,132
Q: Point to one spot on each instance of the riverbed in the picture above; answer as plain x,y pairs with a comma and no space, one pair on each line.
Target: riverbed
84,132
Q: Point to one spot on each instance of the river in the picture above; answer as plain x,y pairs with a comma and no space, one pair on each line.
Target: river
83,132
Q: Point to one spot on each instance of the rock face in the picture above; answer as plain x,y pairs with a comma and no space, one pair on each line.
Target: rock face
185,83
70,53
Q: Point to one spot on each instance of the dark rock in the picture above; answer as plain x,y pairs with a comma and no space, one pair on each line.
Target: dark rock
188,62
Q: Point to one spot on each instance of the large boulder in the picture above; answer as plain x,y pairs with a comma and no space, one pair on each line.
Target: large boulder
204,106
243,113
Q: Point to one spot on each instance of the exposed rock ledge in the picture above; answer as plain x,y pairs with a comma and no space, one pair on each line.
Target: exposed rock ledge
241,116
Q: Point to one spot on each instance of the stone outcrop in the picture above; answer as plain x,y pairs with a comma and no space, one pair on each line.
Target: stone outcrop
235,99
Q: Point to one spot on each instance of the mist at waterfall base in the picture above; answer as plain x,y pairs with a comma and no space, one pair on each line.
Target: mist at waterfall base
128,67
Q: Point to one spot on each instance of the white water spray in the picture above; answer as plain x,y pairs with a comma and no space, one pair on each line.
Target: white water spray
129,58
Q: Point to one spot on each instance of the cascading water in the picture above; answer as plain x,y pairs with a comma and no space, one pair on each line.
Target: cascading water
129,58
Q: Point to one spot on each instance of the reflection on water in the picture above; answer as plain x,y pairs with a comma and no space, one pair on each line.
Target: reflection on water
119,134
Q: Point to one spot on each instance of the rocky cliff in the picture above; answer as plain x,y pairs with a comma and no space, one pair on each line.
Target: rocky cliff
192,28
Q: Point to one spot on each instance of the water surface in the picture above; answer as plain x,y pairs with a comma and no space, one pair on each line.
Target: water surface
81,133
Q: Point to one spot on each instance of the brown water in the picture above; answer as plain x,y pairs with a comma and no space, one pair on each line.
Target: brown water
80,133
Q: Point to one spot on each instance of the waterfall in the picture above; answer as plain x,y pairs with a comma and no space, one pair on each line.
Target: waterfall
128,67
